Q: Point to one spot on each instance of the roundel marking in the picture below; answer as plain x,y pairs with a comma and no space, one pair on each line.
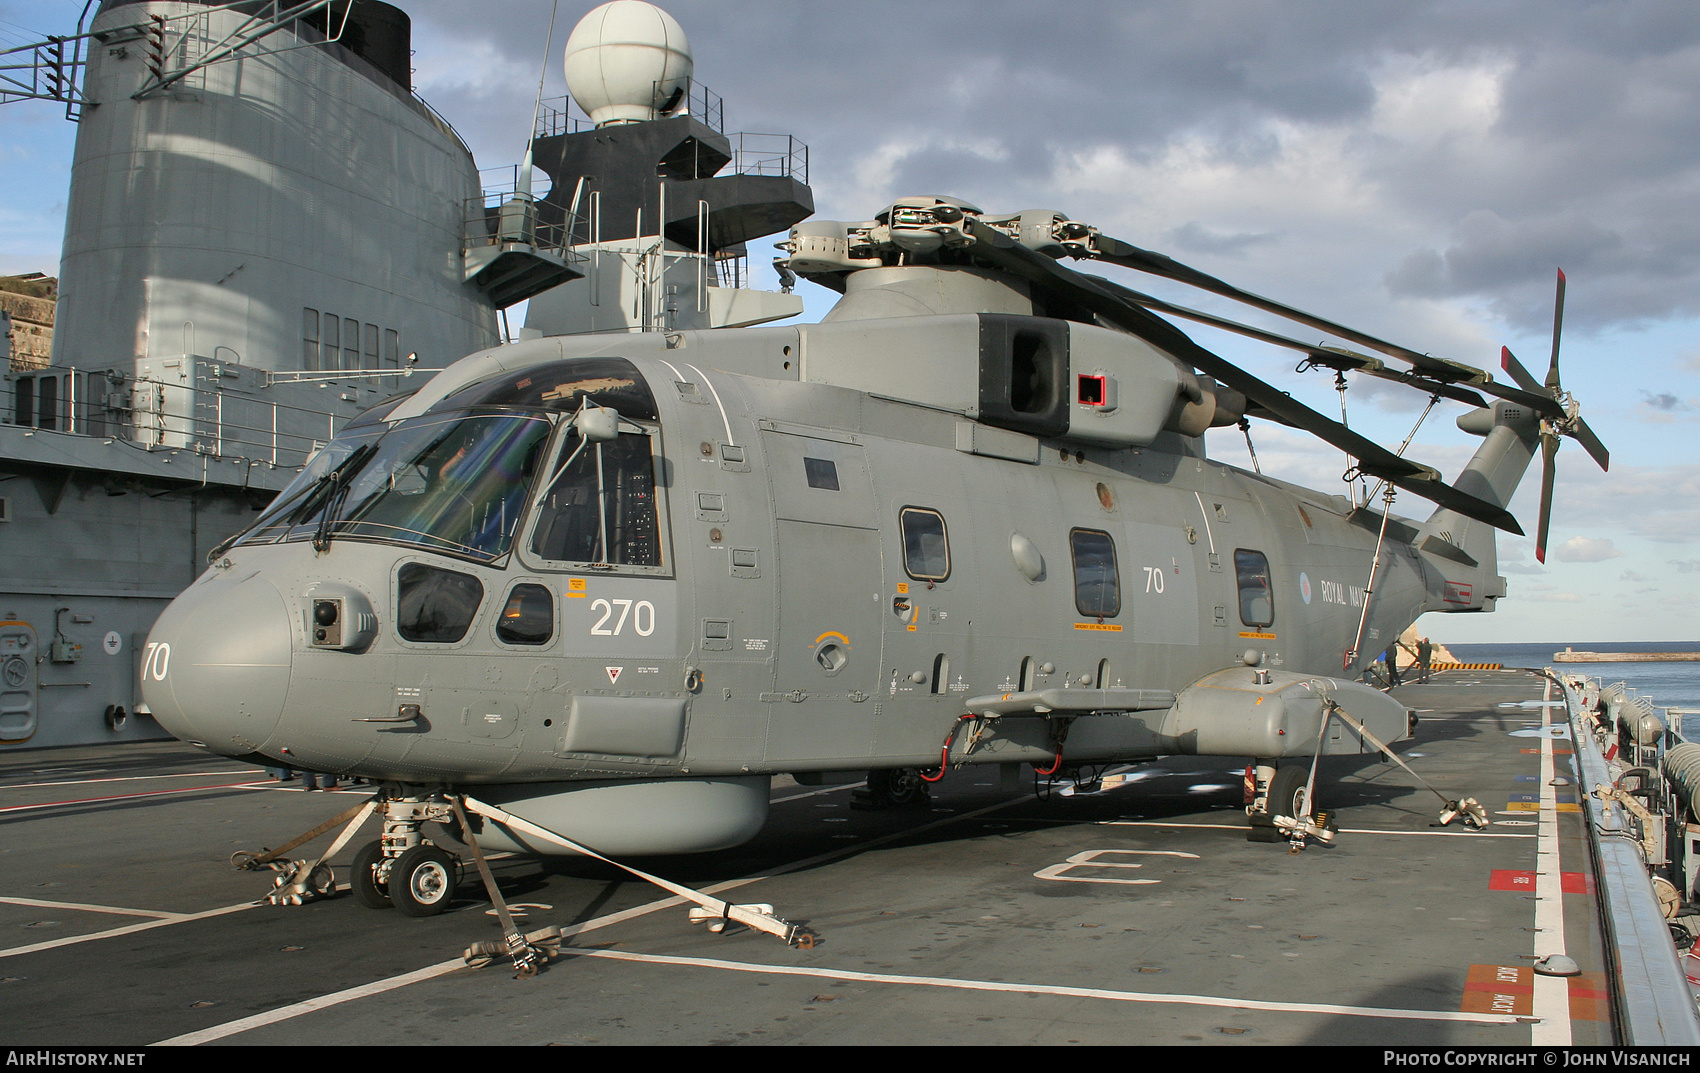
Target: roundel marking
1304,587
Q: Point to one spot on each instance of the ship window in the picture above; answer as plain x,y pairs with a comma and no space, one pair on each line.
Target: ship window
926,547
47,402
433,605
369,360
528,618
601,508
23,402
310,339
350,344
822,473
392,349
1097,588
1257,601
331,358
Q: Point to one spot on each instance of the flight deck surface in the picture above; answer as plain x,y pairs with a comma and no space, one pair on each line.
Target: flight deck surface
989,915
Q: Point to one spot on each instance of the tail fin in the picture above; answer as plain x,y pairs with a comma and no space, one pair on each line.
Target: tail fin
1460,557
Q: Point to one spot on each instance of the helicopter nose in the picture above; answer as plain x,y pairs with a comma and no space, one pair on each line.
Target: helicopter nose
216,668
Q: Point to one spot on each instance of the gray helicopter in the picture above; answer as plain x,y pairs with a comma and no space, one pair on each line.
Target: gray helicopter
593,593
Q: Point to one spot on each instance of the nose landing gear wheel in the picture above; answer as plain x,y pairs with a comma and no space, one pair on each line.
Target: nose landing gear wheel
422,881
368,890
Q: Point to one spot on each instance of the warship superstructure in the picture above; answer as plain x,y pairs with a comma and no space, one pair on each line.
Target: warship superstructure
267,233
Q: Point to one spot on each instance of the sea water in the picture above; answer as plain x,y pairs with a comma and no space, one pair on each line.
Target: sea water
1666,685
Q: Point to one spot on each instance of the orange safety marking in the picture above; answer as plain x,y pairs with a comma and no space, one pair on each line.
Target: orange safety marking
1506,989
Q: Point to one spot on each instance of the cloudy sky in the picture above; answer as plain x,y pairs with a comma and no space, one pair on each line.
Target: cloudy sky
1418,170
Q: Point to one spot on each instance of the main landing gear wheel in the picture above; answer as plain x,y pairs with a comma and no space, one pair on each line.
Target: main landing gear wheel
368,891
1287,790
1286,798
422,881
891,788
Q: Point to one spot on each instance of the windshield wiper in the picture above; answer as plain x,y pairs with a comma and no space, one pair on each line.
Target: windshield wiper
334,488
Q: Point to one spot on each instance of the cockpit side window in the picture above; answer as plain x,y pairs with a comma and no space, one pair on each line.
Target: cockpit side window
601,509
433,605
528,618
1257,601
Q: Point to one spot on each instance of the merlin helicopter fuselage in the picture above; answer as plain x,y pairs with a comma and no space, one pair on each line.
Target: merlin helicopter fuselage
616,583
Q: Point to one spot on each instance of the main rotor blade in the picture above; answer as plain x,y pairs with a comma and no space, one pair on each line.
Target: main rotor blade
1557,326
1127,255
1321,355
1549,468
1100,297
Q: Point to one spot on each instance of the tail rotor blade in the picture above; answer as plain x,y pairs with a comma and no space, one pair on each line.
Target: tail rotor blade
1557,327
1549,469
1591,443
1514,368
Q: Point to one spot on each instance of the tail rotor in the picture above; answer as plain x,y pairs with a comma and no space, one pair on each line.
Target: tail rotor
1560,417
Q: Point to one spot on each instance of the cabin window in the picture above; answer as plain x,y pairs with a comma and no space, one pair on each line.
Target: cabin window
433,605
822,473
1257,600
601,508
528,618
392,349
1097,588
926,547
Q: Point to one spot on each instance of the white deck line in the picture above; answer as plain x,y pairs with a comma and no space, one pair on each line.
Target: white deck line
284,1013
85,907
1327,1009
129,929
1552,993
1343,830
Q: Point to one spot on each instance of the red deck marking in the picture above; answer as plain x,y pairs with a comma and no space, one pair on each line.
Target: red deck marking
1510,879
1507,879
1506,989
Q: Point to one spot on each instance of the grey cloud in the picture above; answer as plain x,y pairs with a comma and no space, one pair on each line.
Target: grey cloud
1196,238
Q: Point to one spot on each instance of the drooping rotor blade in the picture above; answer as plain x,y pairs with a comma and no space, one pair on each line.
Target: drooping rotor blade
1557,326
1099,296
1116,252
1549,469
1320,355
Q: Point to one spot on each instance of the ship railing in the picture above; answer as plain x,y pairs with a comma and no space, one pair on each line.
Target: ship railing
155,414
506,213
563,115
770,154
1640,788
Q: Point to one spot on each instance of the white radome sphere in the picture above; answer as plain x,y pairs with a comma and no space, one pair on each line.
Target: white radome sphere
628,62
